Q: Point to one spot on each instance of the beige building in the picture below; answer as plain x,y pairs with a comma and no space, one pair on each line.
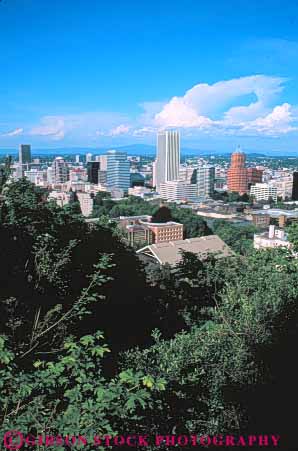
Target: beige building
168,231
140,229
176,190
86,203
284,187
60,197
262,221
170,252
271,239
263,191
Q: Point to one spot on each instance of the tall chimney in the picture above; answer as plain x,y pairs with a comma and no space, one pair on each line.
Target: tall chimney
271,231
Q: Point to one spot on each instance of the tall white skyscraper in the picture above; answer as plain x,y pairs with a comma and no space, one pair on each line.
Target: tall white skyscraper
167,157
77,159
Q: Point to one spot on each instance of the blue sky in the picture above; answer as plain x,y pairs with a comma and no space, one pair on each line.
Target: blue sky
107,73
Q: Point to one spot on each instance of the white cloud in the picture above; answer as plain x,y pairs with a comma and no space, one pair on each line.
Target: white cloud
241,106
51,126
16,132
178,113
119,130
144,131
275,123
207,108
90,124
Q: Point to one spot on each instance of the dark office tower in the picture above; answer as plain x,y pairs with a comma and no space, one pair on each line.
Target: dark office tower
295,186
24,154
92,171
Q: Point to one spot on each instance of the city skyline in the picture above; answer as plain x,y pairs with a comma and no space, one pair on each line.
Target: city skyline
109,75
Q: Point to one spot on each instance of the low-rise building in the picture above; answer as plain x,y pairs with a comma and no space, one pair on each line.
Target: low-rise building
167,231
86,203
61,198
177,191
263,191
284,187
78,175
271,239
171,252
278,216
139,191
261,221
140,229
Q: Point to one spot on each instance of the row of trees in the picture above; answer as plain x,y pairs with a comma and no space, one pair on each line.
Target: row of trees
91,343
239,238
132,206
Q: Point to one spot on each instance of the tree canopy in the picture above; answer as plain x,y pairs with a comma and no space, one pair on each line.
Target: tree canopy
91,342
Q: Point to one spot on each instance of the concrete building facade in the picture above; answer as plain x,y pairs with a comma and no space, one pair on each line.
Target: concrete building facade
205,180
177,191
60,172
167,161
118,170
263,191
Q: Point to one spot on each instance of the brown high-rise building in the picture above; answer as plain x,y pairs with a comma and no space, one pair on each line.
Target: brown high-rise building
254,176
237,173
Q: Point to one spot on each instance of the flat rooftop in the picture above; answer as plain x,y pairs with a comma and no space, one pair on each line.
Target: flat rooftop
276,212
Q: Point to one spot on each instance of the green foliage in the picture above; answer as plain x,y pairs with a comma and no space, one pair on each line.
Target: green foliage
199,348
133,206
194,226
231,196
292,232
70,394
218,374
58,273
5,170
239,238
162,214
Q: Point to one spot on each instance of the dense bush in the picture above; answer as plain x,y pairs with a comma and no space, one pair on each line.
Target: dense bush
200,348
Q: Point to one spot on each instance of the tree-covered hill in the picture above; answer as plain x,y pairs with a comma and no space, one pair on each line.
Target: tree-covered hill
92,343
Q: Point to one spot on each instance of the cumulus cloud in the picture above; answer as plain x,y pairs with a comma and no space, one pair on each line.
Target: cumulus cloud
203,101
208,108
279,121
15,132
241,106
178,113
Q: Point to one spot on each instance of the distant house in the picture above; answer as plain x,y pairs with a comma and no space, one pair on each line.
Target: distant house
171,252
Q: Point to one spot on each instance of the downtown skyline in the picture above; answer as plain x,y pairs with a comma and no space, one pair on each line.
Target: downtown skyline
97,74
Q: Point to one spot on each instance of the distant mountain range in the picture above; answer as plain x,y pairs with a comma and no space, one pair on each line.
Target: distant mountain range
143,150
